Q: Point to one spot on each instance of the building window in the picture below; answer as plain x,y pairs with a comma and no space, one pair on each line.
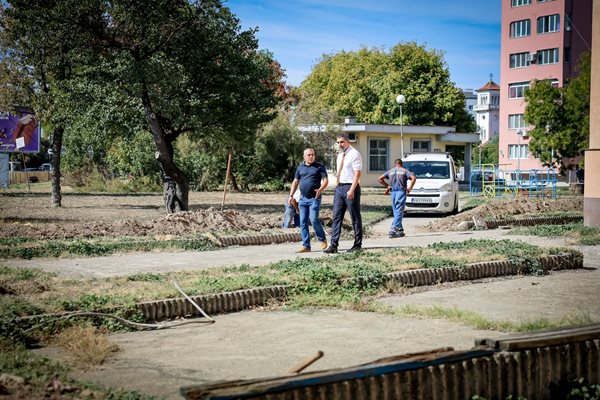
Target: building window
517,151
548,23
519,3
517,90
548,56
378,154
568,23
520,28
516,121
544,1
519,60
421,146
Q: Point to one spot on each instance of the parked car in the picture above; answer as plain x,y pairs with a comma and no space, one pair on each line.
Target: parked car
436,189
46,167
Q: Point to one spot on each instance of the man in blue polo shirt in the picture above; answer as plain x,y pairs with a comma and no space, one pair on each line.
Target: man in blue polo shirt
398,178
311,178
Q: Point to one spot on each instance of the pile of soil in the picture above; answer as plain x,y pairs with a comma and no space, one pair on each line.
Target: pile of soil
182,223
498,209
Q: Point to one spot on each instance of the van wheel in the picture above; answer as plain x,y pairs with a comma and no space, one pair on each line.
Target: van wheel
455,209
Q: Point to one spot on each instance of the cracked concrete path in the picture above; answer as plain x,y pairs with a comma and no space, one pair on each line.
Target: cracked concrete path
131,263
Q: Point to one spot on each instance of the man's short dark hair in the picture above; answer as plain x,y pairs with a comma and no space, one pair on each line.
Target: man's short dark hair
398,161
343,136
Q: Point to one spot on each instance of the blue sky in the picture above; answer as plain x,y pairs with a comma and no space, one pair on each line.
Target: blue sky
298,32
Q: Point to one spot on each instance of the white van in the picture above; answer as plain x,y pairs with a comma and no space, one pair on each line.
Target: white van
436,189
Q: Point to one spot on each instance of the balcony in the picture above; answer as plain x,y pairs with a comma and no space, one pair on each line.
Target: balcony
486,107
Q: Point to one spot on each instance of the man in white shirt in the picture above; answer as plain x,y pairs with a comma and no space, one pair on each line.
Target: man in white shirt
347,194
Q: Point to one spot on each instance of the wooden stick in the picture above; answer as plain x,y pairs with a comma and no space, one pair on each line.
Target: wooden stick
226,178
306,362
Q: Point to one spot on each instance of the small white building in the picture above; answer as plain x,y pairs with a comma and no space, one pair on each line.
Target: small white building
487,111
381,144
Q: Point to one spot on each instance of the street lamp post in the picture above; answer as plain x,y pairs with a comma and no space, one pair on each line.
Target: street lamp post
519,134
400,99
480,132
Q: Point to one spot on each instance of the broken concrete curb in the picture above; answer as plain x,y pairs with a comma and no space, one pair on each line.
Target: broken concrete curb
228,302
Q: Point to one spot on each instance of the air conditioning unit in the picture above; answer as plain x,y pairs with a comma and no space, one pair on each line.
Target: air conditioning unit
352,137
525,134
532,58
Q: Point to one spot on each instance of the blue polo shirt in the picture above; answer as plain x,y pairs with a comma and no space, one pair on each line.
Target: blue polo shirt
398,177
310,177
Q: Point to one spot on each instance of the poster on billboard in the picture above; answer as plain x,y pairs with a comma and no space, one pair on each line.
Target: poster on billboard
19,133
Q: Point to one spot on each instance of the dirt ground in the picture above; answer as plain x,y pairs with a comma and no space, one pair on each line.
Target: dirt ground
113,215
98,215
502,208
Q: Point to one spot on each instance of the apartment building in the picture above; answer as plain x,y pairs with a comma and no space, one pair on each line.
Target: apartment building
541,39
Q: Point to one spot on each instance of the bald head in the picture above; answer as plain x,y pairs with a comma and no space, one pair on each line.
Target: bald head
309,155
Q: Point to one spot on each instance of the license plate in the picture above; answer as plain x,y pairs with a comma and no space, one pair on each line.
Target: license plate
421,200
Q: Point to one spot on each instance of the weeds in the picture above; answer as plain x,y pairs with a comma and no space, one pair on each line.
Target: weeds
342,278
477,321
34,377
584,235
100,247
473,202
86,345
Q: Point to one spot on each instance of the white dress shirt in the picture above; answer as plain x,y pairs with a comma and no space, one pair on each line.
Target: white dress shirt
352,162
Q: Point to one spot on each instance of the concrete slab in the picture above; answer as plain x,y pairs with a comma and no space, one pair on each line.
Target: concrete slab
257,344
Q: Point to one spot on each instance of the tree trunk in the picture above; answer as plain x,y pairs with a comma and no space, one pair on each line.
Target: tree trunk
57,138
176,187
234,183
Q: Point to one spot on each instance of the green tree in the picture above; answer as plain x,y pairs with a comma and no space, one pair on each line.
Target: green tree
40,50
365,84
171,67
559,116
192,70
488,152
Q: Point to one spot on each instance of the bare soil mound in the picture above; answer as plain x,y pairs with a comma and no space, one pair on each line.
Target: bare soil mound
498,209
182,223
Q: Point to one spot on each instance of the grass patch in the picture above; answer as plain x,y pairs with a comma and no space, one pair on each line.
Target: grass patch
374,214
33,377
546,214
344,280
579,233
473,202
86,345
477,321
29,249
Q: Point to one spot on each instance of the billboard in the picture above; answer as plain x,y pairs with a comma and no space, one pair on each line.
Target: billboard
19,133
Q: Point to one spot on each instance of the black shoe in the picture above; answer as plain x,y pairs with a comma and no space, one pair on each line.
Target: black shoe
393,235
330,250
354,249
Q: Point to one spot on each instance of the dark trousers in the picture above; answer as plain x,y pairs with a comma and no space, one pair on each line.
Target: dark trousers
341,203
